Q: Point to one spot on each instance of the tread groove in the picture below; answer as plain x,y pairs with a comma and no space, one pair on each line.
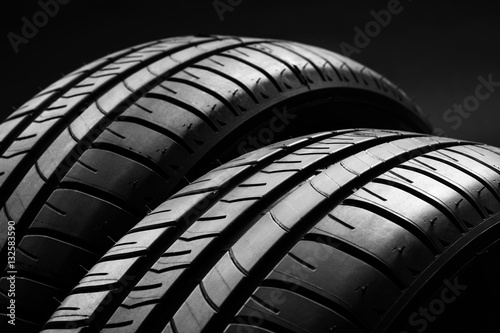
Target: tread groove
475,159
206,90
134,156
207,297
341,78
170,268
252,185
436,204
117,325
317,298
174,254
237,264
198,191
202,236
152,227
121,256
55,209
100,194
468,172
356,252
296,72
265,304
401,177
302,262
62,237
449,184
278,223
159,129
184,106
336,219
321,75
261,70
147,287
396,219
230,78
86,166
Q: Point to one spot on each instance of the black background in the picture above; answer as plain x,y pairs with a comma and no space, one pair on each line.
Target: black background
435,50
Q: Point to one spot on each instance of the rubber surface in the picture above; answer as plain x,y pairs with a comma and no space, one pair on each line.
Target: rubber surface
347,231
89,156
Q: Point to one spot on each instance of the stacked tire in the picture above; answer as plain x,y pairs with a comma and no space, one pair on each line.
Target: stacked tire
333,229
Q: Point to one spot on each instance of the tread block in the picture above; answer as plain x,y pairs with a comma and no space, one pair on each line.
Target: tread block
454,200
147,142
36,253
10,124
428,217
40,306
61,214
24,194
120,176
29,137
193,314
60,153
295,312
395,246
